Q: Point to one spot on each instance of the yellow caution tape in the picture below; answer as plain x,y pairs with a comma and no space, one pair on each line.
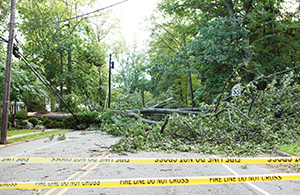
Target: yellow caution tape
149,182
156,160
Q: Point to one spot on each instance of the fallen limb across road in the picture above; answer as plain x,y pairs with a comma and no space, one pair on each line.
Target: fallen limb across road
184,111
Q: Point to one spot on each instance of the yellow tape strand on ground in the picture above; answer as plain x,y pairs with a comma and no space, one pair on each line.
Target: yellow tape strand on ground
149,182
156,160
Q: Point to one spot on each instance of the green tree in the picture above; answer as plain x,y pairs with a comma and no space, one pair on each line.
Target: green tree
169,54
67,48
131,74
224,35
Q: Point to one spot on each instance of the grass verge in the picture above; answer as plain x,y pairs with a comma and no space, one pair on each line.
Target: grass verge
32,136
293,149
11,132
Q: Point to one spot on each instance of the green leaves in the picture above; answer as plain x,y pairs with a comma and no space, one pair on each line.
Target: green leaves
254,122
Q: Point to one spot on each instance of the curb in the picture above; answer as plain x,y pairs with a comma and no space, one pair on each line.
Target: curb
282,153
29,140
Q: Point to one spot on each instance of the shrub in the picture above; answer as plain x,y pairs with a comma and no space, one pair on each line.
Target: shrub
57,124
46,122
86,119
22,124
22,115
34,121
8,125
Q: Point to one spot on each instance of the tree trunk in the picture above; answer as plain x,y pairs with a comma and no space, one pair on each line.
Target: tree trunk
143,96
229,5
164,111
100,88
191,85
69,87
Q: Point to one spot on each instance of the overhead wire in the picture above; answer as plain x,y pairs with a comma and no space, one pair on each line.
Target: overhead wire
45,82
75,17
3,40
18,54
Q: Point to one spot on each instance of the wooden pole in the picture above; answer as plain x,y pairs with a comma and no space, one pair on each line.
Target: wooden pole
109,81
6,95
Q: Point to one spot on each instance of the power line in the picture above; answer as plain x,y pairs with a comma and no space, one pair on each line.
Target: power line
75,17
3,40
44,81
18,54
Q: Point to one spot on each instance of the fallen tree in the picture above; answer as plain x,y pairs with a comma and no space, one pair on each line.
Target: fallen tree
255,122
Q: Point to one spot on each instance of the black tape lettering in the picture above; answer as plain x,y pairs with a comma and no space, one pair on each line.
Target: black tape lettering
215,180
184,160
232,160
165,160
150,181
40,184
125,182
137,182
271,178
178,181
91,183
229,179
213,160
10,185
162,181
200,160
64,183
79,160
92,160
53,184
8,160
269,160
61,160
242,179
253,179
123,160
74,183
22,160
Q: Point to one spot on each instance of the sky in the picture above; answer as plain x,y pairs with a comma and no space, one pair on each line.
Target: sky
132,14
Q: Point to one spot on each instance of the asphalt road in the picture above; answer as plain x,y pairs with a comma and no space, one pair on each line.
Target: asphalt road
81,144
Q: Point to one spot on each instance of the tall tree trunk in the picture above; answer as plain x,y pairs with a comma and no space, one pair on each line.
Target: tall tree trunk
100,88
61,71
143,96
191,85
229,5
69,87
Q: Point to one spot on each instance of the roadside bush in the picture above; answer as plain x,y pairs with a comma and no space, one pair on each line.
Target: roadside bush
34,121
46,122
57,124
21,115
10,119
22,124
86,119
8,124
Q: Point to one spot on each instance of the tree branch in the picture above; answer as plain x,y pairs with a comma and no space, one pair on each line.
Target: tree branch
164,42
240,112
195,6
140,118
159,104
274,74
219,99
165,124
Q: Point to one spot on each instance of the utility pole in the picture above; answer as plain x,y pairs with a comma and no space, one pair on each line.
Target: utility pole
6,95
109,81
111,65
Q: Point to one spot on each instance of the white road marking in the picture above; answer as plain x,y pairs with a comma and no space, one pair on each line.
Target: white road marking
26,152
236,174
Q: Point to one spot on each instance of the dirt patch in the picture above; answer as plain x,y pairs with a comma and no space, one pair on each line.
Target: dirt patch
287,168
